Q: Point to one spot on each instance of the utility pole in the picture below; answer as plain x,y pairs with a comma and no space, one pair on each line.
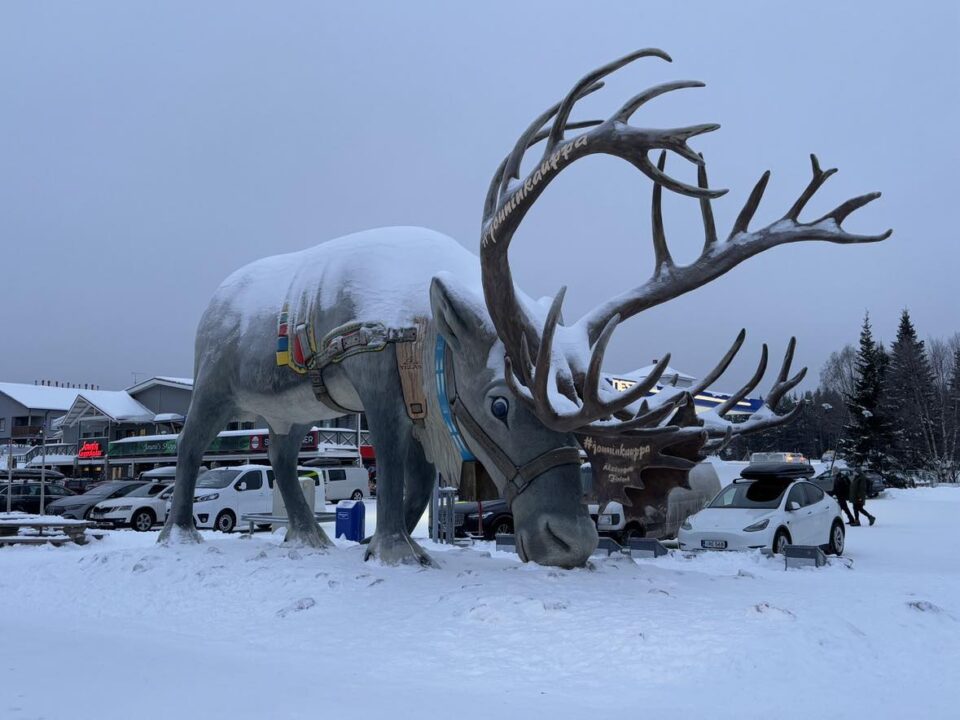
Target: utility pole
9,469
43,461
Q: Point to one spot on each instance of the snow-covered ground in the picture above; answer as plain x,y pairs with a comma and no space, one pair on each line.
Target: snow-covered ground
245,628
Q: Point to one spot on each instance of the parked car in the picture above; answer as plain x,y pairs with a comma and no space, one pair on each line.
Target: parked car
778,457
487,519
346,483
223,495
139,509
25,496
82,484
78,507
875,483
770,508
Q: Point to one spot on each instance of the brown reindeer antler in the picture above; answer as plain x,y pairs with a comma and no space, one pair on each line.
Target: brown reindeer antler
530,368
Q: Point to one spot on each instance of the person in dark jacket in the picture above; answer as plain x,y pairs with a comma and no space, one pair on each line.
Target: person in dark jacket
858,494
841,491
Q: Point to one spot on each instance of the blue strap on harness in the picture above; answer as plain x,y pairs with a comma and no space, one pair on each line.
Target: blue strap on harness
440,361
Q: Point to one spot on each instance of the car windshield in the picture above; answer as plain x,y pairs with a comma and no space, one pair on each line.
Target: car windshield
148,490
756,494
217,478
121,488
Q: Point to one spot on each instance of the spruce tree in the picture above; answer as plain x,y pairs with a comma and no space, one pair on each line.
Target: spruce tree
866,441
912,399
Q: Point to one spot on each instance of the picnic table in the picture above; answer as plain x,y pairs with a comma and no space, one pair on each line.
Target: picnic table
41,529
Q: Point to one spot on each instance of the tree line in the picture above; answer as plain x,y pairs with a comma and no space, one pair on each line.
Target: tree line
893,409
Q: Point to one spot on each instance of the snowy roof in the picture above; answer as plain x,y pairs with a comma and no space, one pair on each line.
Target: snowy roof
112,405
683,380
37,461
40,397
169,381
144,438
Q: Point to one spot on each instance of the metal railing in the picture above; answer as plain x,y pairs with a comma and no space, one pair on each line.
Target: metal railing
345,437
52,449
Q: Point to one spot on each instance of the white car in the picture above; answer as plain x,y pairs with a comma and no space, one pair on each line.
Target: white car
766,512
141,509
346,483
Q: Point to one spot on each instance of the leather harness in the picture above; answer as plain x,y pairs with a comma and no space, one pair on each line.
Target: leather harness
360,337
519,477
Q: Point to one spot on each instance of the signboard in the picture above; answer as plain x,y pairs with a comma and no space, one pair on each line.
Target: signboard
226,444
90,449
639,471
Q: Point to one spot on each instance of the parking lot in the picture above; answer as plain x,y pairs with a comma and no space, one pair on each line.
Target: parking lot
675,632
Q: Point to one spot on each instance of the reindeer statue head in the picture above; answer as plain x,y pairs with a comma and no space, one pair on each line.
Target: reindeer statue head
528,385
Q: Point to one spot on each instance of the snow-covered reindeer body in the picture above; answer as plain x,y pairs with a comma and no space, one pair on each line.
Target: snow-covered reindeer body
516,383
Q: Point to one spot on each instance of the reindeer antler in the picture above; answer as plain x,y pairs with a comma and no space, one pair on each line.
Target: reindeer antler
509,199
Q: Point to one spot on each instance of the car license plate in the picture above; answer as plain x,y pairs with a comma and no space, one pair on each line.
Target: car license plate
713,544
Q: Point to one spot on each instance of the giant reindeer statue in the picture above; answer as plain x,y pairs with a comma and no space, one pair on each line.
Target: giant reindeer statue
447,357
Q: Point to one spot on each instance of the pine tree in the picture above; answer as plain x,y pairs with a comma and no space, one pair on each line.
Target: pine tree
952,424
867,435
918,431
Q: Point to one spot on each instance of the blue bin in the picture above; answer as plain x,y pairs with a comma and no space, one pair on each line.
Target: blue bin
351,517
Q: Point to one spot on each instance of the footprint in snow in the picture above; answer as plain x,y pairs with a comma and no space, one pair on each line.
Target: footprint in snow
927,607
772,611
744,574
301,604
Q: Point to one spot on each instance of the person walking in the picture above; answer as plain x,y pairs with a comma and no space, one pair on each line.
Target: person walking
841,491
858,494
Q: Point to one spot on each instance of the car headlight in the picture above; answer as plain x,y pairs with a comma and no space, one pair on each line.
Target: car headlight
204,498
685,525
487,515
608,519
757,526
120,508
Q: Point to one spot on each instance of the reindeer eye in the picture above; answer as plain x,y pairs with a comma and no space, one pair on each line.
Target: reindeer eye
499,407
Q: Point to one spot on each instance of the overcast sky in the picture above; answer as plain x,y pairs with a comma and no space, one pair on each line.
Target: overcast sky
147,150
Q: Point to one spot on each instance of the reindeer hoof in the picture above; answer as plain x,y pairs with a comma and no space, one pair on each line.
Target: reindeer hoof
397,549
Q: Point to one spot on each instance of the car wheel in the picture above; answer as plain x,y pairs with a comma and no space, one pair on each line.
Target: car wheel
837,534
780,541
357,495
142,520
500,526
225,521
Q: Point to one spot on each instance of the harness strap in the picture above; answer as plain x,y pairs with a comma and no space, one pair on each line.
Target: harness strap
351,339
519,477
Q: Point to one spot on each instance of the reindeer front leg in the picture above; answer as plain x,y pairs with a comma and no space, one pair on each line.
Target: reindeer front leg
398,455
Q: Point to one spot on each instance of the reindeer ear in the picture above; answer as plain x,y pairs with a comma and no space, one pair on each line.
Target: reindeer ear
460,316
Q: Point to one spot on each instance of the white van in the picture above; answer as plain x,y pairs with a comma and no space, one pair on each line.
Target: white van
346,483
224,495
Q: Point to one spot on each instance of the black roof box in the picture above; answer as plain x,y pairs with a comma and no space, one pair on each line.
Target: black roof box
763,471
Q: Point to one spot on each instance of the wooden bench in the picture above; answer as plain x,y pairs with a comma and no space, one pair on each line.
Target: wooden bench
58,530
268,519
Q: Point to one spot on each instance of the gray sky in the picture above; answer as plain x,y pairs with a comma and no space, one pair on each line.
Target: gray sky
149,149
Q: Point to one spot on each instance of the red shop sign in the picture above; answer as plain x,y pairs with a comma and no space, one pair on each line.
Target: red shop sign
91,449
